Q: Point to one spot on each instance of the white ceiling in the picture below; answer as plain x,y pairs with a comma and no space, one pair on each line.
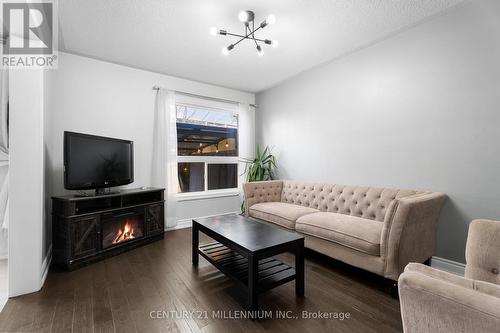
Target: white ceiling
172,37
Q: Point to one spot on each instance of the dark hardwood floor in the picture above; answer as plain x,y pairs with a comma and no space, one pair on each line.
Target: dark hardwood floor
119,294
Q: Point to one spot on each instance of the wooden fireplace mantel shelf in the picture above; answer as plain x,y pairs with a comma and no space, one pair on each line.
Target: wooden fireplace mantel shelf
78,224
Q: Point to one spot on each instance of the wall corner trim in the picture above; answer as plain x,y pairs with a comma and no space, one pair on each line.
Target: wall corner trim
45,266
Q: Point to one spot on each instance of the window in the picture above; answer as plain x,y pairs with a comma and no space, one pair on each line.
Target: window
207,148
191,177
222,176
206,132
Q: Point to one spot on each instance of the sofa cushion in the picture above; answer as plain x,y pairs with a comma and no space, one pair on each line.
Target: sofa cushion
351,231
281,213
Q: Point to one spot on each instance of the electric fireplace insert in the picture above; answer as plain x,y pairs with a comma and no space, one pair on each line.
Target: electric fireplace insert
122,227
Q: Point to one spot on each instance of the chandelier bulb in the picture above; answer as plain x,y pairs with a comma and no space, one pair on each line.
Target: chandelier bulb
225,51
271,19
246,16
243,16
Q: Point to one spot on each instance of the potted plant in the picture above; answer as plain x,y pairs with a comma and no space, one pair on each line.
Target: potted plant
260,168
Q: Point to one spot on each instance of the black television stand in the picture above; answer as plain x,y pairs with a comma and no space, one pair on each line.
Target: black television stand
91,228
102,191
98,193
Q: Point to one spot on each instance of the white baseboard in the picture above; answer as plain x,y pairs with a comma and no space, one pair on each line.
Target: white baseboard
188,223
447,265
181,224
45,266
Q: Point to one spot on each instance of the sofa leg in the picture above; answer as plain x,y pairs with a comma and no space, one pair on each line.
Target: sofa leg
427,262
392,288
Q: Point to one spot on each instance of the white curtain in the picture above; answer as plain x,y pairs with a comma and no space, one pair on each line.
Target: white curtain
164,167
246,137
4,162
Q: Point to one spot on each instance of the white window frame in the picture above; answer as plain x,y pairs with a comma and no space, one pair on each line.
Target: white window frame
206,193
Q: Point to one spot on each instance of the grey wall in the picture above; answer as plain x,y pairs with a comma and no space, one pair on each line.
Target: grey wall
418,110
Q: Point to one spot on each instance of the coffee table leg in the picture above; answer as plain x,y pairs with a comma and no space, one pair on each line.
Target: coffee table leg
253,278
299,269
195,241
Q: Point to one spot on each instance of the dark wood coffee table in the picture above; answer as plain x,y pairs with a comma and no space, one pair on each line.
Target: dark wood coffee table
243,251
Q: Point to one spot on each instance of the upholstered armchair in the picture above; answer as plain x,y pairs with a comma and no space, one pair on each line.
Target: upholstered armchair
437,301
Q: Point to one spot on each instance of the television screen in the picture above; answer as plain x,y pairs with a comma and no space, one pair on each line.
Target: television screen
96,162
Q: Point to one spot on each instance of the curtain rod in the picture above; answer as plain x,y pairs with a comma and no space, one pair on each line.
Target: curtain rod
204,97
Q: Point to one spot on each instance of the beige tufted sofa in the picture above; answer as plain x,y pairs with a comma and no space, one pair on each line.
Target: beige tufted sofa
436,301
377,229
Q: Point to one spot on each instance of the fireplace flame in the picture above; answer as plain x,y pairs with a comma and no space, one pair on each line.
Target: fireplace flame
128,232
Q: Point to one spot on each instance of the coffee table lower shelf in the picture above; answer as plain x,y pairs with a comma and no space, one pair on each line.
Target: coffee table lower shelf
272,272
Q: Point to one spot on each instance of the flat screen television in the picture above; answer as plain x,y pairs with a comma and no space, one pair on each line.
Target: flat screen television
96,162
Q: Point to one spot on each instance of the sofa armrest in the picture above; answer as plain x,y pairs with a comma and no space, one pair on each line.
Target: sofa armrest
481,252
265,191
409,232
436,301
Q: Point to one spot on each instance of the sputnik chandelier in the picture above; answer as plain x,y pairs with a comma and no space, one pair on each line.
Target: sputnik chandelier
248,18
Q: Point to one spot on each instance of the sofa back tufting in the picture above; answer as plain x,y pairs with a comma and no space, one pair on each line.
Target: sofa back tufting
365,202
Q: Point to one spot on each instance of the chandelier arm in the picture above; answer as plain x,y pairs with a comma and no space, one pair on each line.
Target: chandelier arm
253,31
245,37
255,41
253,34
242,38
260,40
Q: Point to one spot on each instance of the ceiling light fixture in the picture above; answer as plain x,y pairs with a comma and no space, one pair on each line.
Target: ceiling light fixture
260,51
248,18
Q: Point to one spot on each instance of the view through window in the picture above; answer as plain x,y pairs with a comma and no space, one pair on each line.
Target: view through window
207,148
